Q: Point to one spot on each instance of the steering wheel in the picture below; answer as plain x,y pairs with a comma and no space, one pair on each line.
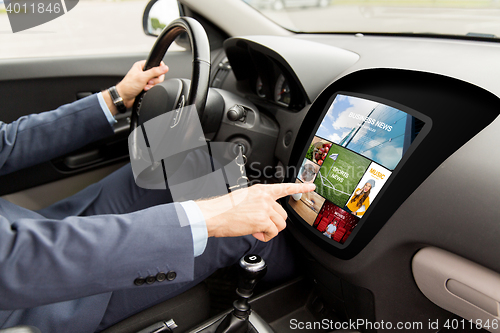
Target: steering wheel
172,96
164,97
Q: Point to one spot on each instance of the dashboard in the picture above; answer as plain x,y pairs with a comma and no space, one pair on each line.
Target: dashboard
375,127
265,76
274,85
431,183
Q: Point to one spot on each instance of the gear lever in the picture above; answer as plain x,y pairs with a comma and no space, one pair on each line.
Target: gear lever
252,269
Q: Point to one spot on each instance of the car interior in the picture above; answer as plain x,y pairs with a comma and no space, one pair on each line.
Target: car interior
413,115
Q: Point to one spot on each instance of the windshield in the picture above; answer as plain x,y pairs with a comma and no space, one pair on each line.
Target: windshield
478,18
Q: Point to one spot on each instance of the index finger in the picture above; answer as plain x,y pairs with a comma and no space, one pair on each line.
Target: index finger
282,190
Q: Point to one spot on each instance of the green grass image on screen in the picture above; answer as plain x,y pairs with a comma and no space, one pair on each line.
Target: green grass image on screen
337,179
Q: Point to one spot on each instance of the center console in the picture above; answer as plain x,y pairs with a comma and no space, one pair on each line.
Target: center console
367,142
241,319
357,145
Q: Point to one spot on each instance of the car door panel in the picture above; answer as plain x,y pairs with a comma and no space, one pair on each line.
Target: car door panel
36,85
39,197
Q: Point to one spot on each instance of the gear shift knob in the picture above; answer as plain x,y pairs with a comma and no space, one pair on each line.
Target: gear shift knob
252,270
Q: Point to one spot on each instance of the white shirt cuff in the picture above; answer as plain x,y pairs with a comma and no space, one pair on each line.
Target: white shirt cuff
105,109
198,226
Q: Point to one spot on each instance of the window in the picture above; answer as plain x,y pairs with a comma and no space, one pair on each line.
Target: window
92,27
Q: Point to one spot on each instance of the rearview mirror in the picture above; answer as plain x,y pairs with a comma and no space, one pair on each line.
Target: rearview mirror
158,14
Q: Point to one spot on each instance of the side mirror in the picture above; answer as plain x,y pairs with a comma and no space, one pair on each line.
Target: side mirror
158,14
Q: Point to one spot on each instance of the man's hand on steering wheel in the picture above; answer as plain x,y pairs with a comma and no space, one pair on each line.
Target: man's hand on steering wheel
134,82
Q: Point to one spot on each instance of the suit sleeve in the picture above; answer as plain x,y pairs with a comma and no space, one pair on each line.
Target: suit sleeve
41,137
45,261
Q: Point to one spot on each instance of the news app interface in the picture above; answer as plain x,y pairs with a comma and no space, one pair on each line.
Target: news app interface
357,146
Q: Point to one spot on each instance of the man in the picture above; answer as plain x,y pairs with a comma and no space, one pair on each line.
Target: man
114,249
330,230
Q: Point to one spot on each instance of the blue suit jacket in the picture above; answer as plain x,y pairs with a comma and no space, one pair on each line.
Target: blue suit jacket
60,273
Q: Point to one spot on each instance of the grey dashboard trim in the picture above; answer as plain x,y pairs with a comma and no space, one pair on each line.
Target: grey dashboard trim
470,61
458,285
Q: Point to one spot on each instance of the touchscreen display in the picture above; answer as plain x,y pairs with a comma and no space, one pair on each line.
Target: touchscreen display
352,155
